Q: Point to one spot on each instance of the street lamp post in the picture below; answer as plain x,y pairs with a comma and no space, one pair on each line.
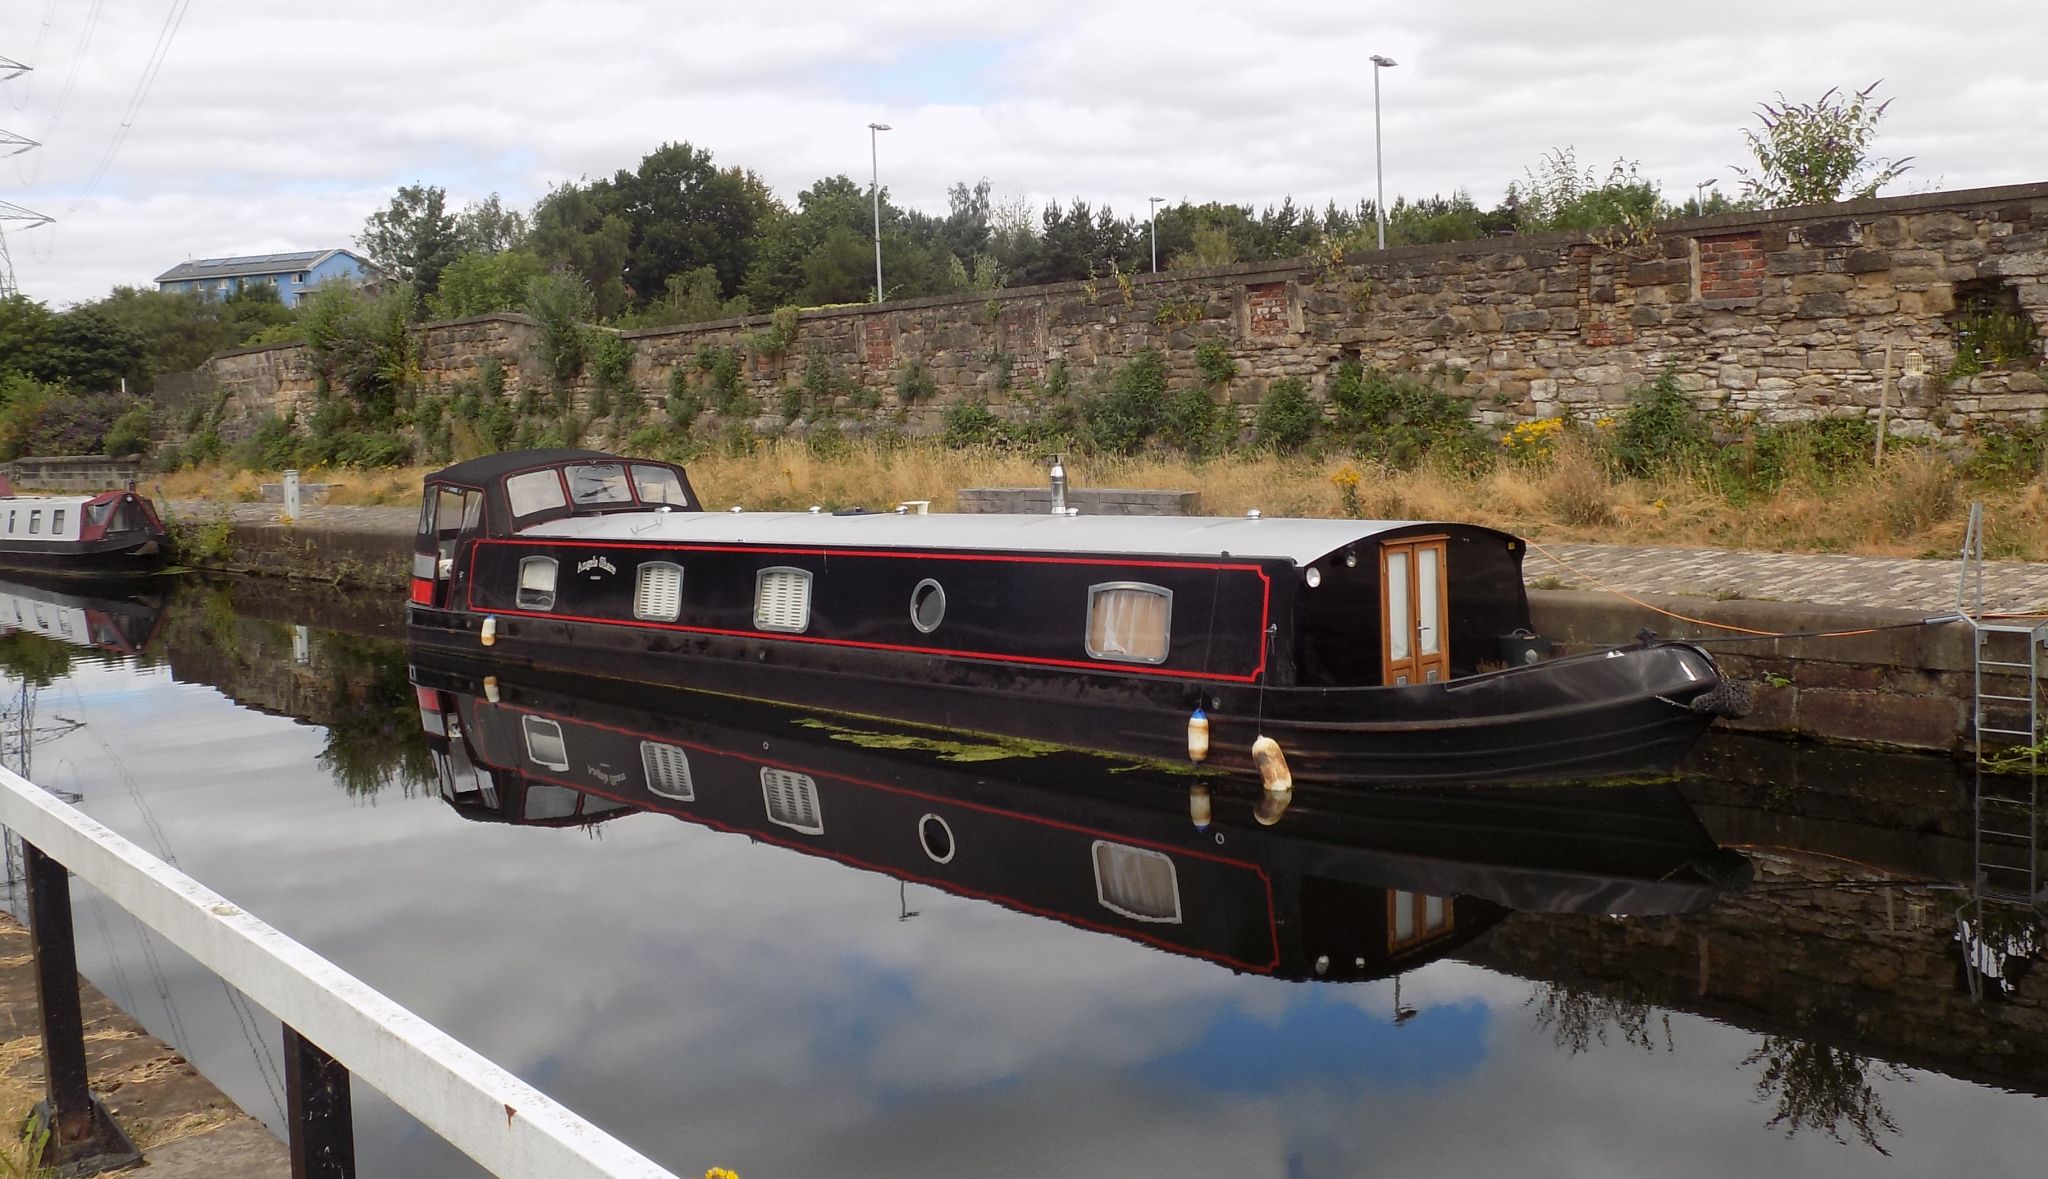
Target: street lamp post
1699,194
1155,232
1379,63
875,161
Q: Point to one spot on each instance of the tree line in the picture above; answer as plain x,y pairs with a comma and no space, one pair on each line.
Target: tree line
681,238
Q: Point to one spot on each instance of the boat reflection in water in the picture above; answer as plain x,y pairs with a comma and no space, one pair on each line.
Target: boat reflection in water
1338,885
105,619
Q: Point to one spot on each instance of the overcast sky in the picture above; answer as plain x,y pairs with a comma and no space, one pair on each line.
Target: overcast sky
278,126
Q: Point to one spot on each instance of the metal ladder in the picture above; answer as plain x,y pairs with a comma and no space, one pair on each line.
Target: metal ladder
2007,841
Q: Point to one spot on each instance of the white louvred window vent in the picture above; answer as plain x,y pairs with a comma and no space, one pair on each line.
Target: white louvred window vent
668,771
782,600
792,800
658,592
1136,882
544,744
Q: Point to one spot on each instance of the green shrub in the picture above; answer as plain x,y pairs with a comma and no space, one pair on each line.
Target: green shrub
131,432
825,441
1213,358
1192,423
915,383
684,405
559,304
1287,416
2009,454
971,423
1660,430
1400,421
728,390
1127,412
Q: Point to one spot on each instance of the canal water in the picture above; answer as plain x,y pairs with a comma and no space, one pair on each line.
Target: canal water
792,945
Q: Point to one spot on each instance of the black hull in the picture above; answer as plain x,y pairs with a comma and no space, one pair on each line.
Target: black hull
1305,897
1624,713
135,556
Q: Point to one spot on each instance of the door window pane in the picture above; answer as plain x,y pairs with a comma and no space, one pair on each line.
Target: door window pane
1428,627
1399,623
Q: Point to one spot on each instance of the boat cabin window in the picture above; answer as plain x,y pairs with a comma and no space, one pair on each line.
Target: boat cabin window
792,800
544,802
658,592
544,745
1129,621
536,584
782,600
668,771
534,491
1136,882
96,514
658,485
1413,918
35,522
598,483
927,606
10,520
57,522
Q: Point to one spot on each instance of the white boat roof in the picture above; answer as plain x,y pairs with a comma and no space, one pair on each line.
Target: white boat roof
1296,540
44,501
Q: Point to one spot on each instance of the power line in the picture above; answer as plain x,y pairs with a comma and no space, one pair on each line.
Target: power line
174,18
92,20
15,69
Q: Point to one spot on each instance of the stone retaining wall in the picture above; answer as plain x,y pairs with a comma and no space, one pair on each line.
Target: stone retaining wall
1833,310
1785,315
78,472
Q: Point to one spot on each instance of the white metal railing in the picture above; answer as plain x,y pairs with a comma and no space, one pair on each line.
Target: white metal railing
506,1125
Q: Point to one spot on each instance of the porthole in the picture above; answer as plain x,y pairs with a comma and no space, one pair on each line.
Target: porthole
927,606
937,838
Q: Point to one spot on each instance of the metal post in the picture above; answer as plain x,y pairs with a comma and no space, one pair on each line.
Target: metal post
291,495
49,907
1379,63
875,162
323,1137
1155,233
84,1138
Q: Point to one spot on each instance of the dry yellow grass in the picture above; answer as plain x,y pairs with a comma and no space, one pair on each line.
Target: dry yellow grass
1914,506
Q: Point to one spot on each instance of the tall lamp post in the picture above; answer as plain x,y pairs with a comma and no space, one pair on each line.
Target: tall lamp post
1378,169
875,161
1699,195
1155,232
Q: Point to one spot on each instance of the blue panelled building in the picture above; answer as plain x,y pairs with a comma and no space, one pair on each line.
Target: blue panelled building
292,274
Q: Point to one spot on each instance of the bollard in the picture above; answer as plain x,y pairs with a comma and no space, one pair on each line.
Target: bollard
291,495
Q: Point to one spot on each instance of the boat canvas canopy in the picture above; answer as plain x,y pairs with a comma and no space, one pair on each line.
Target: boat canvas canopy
1298,541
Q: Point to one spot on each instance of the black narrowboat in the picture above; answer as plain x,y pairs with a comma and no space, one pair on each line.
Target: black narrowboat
1340,885
118,623
111,534
1369,651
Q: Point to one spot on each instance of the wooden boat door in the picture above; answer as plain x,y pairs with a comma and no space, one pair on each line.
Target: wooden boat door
451,518
1413,600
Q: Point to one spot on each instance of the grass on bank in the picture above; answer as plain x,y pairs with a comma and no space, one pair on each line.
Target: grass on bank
1913,505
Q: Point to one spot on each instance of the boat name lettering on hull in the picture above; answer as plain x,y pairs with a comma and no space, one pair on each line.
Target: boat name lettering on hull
596,563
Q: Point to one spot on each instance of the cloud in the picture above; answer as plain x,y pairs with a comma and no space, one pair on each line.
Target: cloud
277,126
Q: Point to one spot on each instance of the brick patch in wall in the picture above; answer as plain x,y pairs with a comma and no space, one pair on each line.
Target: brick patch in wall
879,347
1266,305
1731,266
